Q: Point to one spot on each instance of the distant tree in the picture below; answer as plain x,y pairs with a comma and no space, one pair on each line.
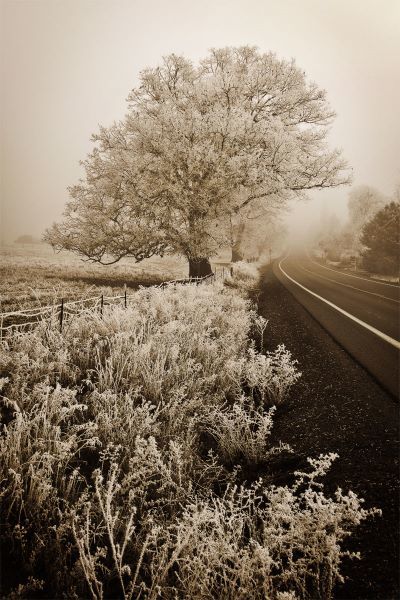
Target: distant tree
199,145
396,194
25,239
381,238
363,203
331,236
271,239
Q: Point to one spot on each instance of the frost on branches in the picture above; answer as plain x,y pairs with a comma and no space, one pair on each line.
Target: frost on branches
199,146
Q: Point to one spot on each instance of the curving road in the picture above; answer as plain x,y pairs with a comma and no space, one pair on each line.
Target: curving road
361,314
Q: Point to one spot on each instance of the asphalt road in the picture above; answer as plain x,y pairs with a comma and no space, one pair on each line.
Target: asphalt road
361,314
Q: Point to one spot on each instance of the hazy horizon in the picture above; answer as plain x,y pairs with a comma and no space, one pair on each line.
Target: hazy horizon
68,66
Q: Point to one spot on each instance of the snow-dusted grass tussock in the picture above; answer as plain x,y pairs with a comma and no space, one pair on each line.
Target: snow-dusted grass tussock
122,443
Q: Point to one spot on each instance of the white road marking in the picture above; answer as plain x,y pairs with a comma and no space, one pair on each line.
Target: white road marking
347,285
378,333
354,276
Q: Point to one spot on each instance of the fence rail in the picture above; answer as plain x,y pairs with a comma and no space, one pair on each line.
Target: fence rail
29,317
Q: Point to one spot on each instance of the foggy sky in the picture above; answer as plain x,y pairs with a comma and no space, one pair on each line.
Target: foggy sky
68,65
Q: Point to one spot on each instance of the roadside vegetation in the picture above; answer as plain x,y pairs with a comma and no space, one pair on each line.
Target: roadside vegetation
245,275
381,240
135,458
369,240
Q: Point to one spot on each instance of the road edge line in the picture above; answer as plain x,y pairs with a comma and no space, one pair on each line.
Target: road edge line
347,284
378,333
351,275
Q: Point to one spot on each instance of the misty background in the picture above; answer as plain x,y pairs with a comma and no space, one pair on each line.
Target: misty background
68,65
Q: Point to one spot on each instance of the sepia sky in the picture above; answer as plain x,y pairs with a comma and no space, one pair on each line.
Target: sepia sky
68,65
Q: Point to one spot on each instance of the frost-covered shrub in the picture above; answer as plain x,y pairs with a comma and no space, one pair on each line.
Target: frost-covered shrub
172,341
168,341
272,374
121,418
269,376
39,447
275,543
278,542
40,451
38,356
119,524
242,432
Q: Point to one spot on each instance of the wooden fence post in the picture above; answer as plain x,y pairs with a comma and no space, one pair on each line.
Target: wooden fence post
125,294
231,271
61,314
101,305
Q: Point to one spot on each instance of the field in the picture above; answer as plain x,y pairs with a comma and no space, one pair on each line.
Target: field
136,449
34,275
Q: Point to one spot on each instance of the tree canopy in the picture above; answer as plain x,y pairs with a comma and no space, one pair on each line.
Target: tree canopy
200,145
363,203
381,237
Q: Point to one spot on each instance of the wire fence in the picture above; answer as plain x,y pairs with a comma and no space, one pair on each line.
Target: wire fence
29,317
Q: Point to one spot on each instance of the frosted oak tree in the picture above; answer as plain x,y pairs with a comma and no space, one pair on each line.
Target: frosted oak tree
198,146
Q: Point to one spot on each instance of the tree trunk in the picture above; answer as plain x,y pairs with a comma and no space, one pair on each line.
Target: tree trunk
237,255
199,267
